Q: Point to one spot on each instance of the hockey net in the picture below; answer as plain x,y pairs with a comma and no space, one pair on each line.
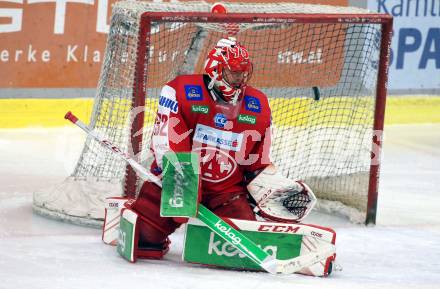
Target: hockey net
324,69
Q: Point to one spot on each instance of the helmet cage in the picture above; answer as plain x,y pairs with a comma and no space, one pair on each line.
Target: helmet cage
237,78
229,68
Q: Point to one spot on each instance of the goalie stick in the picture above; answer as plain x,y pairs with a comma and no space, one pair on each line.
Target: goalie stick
216,224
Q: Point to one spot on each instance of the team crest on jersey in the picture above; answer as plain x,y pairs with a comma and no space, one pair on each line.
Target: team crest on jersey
216,165
193,92
227,140
168,103
252,103
220,120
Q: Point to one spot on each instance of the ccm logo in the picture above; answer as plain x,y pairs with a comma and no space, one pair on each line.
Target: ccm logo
113,205
316,234
278,228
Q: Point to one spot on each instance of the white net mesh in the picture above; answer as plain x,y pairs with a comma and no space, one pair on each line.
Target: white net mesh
320,79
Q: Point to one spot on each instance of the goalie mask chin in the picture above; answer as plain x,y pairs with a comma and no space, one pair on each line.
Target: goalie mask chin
230,69
279,198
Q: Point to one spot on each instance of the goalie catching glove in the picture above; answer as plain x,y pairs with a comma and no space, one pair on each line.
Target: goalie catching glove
279,198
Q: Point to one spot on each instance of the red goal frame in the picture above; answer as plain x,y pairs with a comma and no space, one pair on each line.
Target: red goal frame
140,93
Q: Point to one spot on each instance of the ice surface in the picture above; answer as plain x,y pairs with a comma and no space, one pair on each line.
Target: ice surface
401,251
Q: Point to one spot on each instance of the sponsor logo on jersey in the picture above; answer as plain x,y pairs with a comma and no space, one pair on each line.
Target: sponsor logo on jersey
193,92
168,103
252,103
204,109
220,120
216,165
245,118
218,138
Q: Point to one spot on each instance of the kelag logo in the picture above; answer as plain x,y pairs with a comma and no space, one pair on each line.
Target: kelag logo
252,103
221,248
214,250
204,109
193,92
244,118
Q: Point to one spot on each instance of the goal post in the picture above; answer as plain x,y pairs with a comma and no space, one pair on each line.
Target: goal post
323,68
379,118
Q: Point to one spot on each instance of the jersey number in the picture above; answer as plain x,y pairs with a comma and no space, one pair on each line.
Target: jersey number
160,124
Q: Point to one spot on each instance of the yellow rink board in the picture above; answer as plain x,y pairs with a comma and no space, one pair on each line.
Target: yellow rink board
20,113
412,110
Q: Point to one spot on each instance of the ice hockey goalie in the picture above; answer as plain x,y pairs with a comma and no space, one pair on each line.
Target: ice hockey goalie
227,122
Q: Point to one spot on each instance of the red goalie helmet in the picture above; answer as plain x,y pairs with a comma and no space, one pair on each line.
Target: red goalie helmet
230,69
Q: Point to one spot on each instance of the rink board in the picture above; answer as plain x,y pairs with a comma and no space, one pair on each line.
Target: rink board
20,113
